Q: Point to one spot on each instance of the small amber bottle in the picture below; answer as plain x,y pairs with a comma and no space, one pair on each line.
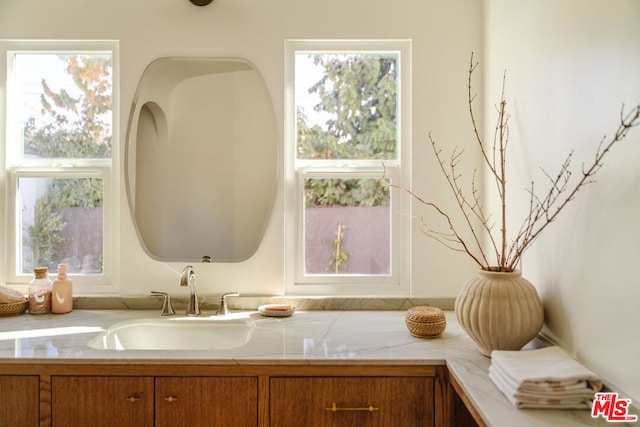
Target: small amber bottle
40,292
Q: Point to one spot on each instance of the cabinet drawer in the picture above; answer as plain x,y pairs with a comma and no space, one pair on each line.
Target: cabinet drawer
352,401
102,401
19,405
201,401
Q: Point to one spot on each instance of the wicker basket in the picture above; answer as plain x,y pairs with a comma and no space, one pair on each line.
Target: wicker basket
13,308
8,295
425,321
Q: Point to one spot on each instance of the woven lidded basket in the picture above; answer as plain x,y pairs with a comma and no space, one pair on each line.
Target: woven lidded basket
425,321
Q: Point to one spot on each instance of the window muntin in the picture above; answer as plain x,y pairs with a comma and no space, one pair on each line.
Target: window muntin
347,132
60,116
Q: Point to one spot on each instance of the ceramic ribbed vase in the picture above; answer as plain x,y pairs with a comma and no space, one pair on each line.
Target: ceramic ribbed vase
499,311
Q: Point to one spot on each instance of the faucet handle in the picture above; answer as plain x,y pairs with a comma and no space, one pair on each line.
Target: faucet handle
222,308
167,308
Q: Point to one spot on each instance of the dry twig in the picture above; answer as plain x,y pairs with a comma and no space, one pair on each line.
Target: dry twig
543,209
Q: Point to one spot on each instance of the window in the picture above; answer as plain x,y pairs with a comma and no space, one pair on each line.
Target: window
60,116
347,138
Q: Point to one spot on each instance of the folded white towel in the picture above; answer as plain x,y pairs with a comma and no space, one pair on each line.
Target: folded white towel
543,378
558,399
578,389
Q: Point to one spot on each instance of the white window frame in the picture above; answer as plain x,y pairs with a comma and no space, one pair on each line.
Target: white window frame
398,170
14,167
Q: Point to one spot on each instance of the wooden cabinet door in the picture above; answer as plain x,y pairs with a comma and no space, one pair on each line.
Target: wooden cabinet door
101,401
206,401
19,400
352,401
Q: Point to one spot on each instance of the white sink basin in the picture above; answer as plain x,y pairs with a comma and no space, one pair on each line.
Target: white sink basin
176,333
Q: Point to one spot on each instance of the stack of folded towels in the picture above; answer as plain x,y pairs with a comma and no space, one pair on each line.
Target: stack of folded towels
543,378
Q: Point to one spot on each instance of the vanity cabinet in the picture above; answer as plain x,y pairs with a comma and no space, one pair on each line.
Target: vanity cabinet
153,401
352,401
140,393
19,400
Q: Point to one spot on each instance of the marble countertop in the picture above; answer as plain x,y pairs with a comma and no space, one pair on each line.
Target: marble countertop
307,337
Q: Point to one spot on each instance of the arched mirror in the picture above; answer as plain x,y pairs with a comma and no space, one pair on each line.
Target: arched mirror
201,159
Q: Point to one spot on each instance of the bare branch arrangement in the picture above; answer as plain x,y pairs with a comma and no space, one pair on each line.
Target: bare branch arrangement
543,207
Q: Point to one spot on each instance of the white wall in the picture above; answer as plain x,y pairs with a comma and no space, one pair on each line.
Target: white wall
571,65
443,34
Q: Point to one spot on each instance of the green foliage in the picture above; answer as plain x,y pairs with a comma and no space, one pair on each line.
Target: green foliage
78,127
358,95
77,192
43,237
345,192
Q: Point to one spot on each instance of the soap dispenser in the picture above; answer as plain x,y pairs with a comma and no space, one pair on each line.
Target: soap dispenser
61,289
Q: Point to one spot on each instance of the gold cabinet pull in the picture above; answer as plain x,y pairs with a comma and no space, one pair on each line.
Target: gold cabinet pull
334,408
170,398
133,398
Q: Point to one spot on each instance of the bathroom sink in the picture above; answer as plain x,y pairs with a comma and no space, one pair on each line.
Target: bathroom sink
179,333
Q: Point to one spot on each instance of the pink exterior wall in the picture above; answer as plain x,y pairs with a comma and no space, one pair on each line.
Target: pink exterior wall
366,235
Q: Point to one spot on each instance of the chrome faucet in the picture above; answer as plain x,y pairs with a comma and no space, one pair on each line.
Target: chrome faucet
167,308
188,278
222,308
